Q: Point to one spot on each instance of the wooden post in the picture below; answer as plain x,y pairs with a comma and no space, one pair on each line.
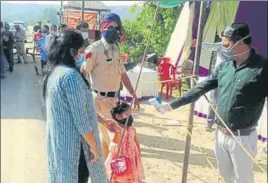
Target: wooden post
191,114
83,9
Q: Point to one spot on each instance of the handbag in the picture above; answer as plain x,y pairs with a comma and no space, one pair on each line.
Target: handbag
121,166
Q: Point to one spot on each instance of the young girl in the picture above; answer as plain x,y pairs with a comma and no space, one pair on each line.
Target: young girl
127,168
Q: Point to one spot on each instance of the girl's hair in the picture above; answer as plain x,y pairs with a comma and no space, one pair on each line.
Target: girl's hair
120,108
62,51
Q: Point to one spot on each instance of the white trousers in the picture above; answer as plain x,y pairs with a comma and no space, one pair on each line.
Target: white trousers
234,165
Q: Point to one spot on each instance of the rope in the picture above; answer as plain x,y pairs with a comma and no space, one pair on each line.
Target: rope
136,87
206,157
229,130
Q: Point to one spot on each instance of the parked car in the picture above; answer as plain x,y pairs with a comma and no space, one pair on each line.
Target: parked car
21,23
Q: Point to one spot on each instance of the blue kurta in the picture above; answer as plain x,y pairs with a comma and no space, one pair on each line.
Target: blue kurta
70,113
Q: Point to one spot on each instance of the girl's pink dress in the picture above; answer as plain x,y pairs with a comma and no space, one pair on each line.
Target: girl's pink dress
131,151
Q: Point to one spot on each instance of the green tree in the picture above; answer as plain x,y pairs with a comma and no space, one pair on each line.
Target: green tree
50,14
138,30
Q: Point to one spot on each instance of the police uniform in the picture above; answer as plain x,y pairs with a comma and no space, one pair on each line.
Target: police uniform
104,64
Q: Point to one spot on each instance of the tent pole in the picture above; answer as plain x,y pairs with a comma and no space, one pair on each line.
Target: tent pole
195,72
83,9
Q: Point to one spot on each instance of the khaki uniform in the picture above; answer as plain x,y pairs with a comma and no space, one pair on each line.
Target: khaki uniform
104,64
20,45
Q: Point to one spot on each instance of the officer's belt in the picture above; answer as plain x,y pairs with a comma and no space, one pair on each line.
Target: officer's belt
241,132
106,94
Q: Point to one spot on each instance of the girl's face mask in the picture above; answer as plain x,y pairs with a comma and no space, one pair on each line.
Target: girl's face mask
123,121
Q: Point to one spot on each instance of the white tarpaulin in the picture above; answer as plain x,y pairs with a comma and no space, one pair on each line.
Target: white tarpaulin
178,36
147,85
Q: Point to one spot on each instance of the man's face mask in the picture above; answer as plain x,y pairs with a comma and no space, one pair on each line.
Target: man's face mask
84,35
111,34
228,52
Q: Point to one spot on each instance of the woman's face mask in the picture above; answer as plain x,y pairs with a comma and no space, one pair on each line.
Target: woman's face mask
79,62
111,34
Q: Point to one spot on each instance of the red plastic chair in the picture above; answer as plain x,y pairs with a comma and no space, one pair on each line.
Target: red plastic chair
124,57
167,72
164,60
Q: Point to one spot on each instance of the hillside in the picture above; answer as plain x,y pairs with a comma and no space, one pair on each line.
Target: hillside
32,12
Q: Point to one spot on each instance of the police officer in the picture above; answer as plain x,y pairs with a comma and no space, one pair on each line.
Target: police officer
104,64
20,37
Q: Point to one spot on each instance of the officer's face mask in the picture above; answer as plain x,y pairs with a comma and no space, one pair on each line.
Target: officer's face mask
111,34
228,52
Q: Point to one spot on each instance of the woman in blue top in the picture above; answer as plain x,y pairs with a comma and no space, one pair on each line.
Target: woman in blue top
71,117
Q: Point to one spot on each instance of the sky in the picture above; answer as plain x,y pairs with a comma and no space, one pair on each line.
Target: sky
107,3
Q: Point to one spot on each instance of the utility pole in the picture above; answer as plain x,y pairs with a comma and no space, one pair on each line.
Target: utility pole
83,9
61,13
195,73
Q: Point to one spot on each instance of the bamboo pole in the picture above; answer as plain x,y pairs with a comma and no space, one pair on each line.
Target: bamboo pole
191,114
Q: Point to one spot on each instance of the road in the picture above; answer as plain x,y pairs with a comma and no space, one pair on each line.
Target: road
23,150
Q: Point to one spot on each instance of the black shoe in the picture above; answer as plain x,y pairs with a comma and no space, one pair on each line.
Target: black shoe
11,69
18,62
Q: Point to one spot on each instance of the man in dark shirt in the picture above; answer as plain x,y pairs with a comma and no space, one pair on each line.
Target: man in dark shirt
8,43
37,26
242,82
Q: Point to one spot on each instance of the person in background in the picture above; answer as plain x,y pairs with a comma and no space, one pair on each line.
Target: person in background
8,43
37,26
42,48
20,45
62,28
2,54
242,82
37,36
83,28
72,130
103,63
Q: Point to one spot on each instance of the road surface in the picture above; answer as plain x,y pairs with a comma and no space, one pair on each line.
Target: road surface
23,150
